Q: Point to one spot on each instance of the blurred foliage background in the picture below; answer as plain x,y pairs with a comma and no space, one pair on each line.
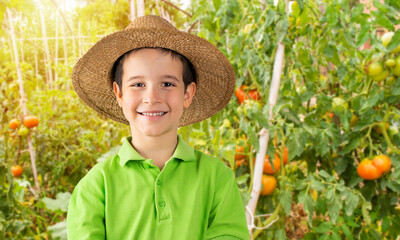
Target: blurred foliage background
330,115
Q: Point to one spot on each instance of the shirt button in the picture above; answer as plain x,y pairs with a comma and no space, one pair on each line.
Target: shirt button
161,203
146,166
159,182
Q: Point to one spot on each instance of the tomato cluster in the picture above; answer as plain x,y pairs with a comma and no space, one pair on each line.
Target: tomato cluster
387,68
269,182
245,93
375,168
28,122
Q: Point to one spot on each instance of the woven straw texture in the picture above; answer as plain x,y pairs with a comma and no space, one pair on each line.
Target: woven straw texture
92,76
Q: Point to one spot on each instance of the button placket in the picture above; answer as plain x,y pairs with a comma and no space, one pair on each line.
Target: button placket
162,206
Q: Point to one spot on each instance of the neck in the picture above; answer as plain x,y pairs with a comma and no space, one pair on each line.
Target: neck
159,148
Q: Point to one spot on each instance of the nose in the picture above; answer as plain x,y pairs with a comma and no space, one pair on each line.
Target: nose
152,95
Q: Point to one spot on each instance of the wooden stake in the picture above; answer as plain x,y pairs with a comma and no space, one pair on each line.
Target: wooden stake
140,8
264,135
47,52
56,50
23,100
132,13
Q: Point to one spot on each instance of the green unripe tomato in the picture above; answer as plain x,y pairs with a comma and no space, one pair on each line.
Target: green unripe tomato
23,131
374,69
381,76
387,38
396,69
390,62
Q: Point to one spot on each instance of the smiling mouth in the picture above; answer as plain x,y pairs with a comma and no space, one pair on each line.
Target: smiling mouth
152,114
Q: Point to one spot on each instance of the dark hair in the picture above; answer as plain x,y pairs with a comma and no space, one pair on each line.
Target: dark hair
188,71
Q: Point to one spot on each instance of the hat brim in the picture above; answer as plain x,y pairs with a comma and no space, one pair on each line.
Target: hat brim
92,76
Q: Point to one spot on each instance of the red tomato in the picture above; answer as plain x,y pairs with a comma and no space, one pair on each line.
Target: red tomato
253,94
240,95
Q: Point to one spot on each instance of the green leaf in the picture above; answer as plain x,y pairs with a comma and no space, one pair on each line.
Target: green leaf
381,7
281,29
334,208
59,230
395,186
363,35
335,235
324,174
351,203
394,42
114,150
316,185
280,234
364,209
258,116
383,21
286,200
350,147
331,52
296,144
331,15
290,115
323,227
372,100
346,231
60,203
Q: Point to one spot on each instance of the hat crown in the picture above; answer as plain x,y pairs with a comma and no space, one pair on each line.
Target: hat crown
150,21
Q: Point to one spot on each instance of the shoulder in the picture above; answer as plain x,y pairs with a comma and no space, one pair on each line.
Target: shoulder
213,165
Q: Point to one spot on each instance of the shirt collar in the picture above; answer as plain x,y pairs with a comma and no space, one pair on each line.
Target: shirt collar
127,153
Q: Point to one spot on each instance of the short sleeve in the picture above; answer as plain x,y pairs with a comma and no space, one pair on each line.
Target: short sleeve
85,216
227,217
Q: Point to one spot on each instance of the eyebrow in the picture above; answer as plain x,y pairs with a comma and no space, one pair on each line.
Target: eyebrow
170,77
166,76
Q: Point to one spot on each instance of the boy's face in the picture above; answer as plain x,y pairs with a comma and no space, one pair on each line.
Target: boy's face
153,94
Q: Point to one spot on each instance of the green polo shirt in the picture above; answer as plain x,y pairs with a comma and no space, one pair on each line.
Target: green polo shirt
194,196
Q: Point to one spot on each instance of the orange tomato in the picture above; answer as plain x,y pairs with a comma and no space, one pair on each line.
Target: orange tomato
268,167
30,121
14,123
285,155
269,184
240,162
382,162
16,170
379,129
368,171
239,153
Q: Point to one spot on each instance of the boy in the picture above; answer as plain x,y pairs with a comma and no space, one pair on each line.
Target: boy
156,78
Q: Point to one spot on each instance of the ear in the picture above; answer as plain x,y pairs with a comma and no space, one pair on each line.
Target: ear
189,93
118,93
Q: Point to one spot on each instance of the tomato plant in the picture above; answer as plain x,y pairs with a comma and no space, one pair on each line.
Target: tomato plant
336,90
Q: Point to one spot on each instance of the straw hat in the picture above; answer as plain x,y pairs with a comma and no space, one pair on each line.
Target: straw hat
92,74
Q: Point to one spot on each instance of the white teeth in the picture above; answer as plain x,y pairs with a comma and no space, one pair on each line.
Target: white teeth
153,114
